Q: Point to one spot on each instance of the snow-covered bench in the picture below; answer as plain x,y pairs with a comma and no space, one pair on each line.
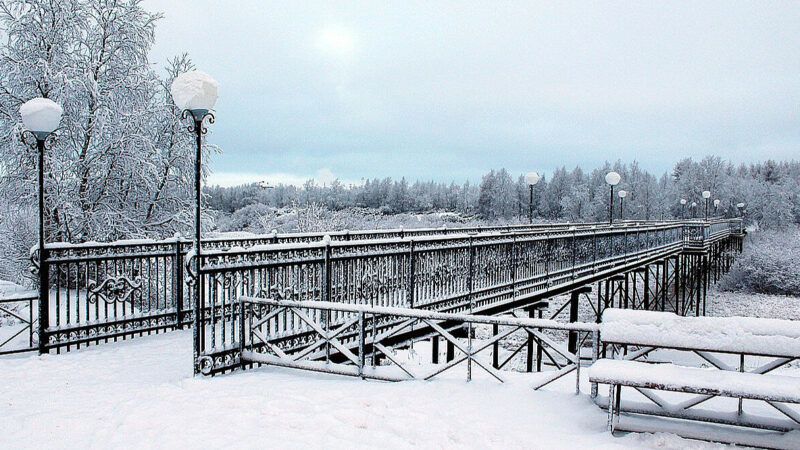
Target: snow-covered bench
723,344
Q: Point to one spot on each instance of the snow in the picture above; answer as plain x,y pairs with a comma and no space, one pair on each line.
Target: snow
727,334
141,393
194,90
41,115
13,291
674,377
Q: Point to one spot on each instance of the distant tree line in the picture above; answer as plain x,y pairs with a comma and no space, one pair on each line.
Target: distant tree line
770,191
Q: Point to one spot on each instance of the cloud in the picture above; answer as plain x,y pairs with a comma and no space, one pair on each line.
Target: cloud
429,91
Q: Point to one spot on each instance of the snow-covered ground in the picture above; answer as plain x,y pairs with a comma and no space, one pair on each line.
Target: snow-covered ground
141,393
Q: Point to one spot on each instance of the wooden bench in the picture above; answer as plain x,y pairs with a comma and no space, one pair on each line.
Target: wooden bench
721,344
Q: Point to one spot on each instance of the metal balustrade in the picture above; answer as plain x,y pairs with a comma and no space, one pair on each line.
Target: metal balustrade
352,340
101,292
461,273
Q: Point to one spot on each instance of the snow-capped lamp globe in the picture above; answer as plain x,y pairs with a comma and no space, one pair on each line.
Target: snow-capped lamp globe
613,179
683,201
41,117
195,92
716,205
531,178
623,193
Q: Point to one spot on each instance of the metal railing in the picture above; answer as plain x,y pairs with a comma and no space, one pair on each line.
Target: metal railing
366,341
460,273
100,292
18,320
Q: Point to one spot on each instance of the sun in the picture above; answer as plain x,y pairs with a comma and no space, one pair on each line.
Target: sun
336,40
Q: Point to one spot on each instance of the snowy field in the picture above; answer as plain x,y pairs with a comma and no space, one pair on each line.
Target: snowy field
141,394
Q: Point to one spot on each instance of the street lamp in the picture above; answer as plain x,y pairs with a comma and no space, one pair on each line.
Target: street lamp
707,196
694,209
531,178
195,93
740,207
612,178
622,195
683,208
716,205
40,117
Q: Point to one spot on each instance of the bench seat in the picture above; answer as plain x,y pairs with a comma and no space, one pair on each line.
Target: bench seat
739,335
670,377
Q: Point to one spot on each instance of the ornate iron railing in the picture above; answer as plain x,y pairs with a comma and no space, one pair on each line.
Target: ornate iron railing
456,274
100,292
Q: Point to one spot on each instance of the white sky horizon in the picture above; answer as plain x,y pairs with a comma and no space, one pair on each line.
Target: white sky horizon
443,91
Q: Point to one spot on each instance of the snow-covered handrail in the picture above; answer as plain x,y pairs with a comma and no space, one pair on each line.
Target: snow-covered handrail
426,314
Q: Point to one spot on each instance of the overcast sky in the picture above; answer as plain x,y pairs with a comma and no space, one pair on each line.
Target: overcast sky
449,90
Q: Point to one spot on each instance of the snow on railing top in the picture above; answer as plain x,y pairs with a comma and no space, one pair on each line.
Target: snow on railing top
523,234
748,335
241,239
425,314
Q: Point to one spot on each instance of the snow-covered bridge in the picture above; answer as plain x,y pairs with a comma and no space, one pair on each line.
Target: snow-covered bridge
100,292
658,265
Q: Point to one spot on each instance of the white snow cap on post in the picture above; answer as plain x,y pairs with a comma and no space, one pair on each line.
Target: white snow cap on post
623,193
41,115
717,202
613,178
532,178
194,91
706,194
683,201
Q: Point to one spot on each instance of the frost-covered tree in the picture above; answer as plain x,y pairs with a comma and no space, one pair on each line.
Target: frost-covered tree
122,164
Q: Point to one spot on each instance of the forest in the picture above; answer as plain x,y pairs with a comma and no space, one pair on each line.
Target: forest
770,191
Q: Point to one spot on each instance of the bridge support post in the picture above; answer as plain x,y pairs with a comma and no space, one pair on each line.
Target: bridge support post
574,303
435,350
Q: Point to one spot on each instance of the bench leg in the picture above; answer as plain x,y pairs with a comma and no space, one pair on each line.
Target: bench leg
611,405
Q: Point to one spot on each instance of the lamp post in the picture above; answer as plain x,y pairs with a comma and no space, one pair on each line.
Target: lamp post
694,209
612,178
531,178
683,208
707,197
622,194
40,117
195,93
716,205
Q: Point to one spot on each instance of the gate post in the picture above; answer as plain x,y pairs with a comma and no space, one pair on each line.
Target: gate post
177,286
44,299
